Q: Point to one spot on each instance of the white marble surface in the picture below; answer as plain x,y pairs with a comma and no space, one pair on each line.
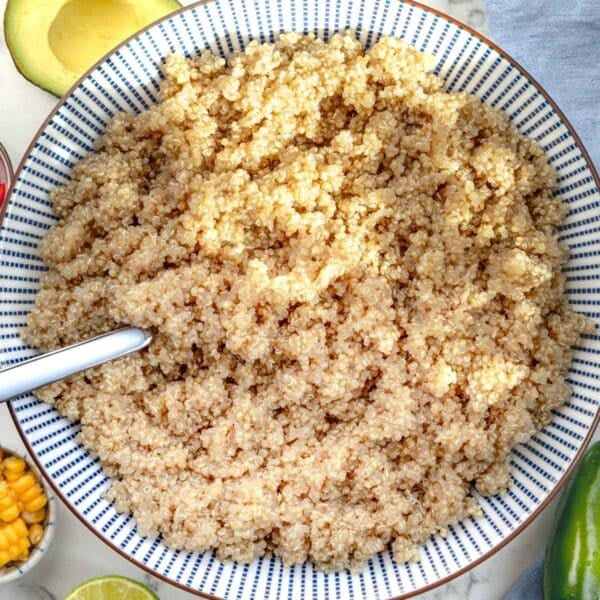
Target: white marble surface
76,554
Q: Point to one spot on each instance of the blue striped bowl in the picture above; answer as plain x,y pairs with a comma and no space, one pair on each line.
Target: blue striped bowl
128,80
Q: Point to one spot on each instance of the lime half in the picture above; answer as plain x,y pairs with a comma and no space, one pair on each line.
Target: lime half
112,587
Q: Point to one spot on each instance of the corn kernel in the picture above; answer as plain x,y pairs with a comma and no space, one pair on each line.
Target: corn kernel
10,476
14,464
23,544
1,454
19,527
4,557
19,547
12,533
24,483
10,514
31,494
34,517
36,504
7,502
35,534
10,536
4,542
4,489
23,556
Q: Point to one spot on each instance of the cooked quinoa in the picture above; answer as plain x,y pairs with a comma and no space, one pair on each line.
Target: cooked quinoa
353,278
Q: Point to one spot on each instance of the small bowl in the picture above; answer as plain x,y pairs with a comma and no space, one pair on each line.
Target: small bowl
12,572
6,173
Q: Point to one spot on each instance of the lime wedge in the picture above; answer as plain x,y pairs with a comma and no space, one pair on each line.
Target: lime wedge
112,587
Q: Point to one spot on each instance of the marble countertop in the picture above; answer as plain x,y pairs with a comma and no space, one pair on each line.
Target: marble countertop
76,554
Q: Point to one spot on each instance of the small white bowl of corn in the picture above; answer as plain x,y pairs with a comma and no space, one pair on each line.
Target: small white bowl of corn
27,515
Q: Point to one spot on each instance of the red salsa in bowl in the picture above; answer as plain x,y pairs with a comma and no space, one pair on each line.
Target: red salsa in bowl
5,174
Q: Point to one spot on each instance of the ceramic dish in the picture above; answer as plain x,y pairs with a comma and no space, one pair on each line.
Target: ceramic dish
128,80
5,174
12,572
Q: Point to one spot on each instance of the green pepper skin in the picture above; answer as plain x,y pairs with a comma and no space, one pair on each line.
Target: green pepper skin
572,565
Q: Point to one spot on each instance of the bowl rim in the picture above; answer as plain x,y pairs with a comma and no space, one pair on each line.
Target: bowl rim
513,534
50,527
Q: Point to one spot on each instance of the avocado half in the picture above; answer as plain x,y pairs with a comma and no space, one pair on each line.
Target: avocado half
53,42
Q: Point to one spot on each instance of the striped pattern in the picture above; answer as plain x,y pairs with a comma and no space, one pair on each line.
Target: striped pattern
129,81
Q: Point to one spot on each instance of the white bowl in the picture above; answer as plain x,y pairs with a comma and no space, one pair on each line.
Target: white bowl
15,571
128,80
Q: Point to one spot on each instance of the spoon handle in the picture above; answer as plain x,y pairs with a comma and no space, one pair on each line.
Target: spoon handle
47,368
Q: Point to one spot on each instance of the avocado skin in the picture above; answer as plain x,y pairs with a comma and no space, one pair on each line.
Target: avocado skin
170,6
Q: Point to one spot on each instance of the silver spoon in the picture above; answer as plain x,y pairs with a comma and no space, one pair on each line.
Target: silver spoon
53,366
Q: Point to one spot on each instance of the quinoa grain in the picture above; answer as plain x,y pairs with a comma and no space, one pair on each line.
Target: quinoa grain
354,282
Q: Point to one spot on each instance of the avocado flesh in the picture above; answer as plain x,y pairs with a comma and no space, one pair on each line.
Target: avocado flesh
53,42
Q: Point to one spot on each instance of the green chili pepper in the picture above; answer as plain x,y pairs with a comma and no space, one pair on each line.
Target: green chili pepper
572,565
